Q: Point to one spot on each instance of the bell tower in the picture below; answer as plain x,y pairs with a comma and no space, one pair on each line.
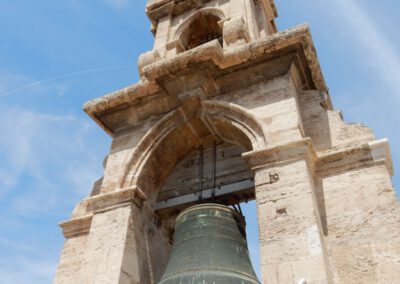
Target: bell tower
229,109
182,25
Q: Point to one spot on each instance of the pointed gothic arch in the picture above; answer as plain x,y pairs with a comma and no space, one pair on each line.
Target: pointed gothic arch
176,135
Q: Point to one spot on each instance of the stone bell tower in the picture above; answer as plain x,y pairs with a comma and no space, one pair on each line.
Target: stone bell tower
227,110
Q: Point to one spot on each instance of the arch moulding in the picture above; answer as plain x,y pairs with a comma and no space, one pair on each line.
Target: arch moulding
227,121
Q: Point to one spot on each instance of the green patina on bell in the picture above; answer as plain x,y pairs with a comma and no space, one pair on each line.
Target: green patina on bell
209,247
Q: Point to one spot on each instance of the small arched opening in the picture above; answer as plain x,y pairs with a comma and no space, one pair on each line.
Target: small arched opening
202,28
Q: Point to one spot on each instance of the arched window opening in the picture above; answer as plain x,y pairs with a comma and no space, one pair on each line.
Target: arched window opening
214,172
203,29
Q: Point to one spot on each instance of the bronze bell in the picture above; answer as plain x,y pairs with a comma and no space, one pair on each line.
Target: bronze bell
209,247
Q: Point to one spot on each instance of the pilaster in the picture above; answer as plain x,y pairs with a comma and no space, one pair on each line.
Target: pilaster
290,232
113,242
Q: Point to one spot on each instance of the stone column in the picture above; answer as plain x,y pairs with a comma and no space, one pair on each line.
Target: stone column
109,244
290,231
112,252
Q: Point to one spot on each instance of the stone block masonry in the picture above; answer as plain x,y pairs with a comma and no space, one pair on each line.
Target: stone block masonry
327,210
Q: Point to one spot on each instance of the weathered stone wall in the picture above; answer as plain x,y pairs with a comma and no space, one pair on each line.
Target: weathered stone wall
363,225
290,232
124,244
274,104
326,126
70,268
326,207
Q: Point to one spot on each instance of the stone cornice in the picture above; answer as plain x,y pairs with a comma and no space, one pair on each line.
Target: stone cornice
210,55
245,53
380,151
102,203
115,100
326,163
107,201
77,226
293,151
355,156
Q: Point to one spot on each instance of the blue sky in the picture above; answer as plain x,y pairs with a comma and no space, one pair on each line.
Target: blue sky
56,55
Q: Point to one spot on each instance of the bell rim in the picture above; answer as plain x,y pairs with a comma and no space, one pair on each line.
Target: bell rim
226,273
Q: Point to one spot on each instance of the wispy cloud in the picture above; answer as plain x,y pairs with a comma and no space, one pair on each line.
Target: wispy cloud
371,95
38,83
376,49
20,269
379,54
23,247
20,146
47,164
119,4
41,155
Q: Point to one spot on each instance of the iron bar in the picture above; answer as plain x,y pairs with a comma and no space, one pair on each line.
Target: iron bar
201,173
214,170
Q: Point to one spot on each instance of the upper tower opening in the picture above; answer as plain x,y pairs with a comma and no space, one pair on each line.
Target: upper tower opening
203,28
180,25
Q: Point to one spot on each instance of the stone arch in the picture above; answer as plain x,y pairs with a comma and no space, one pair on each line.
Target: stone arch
238,117
200,27
177,134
